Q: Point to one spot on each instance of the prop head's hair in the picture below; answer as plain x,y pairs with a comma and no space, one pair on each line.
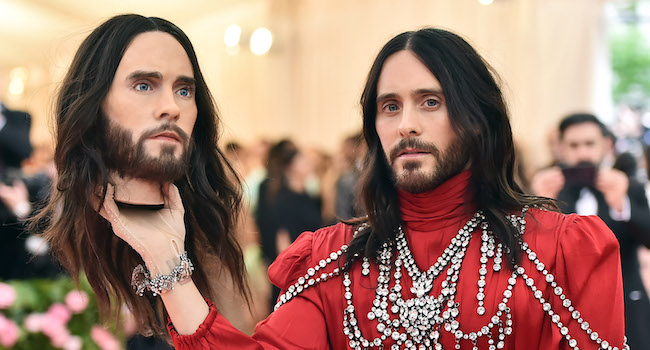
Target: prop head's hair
210,190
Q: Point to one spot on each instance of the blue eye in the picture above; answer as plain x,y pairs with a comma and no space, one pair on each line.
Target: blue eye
185,92
431,103
142,87
392,107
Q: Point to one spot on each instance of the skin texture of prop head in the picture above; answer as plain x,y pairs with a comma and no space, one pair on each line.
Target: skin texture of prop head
134,102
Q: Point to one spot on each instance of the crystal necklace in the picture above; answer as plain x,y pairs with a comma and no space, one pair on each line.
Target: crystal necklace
418,323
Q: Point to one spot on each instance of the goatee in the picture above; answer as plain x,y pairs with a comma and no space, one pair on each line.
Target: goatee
412,178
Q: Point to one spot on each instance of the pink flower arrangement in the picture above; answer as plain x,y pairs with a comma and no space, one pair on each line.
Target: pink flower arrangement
73,343
7,295
60,337
76,301
34,322
58,313
8,332
104,339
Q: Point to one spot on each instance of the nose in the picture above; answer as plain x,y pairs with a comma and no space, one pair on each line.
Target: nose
168,107
409,124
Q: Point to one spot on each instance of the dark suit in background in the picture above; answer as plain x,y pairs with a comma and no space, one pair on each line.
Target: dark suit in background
15,259
630,235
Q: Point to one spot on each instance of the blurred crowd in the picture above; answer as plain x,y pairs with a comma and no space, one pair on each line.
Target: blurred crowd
289,188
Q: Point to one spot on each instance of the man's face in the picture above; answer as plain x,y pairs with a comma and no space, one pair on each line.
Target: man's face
150,109
413,125
583,142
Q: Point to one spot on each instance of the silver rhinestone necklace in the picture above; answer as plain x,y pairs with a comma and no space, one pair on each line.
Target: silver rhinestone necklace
419,323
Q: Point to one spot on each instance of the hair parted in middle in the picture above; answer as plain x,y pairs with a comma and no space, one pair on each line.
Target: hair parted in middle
83,240
479,117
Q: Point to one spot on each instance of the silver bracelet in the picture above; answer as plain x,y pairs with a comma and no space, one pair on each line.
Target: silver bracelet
141,280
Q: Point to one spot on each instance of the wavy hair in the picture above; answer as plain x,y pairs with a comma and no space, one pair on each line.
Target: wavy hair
81,239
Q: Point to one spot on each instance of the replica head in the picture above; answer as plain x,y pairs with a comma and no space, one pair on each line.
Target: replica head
583,138
431,109
134,105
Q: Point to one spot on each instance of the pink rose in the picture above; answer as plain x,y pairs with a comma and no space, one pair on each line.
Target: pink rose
58,313
77,301
103,338
7,295
51,327
34,322
8,332
60,338
73,343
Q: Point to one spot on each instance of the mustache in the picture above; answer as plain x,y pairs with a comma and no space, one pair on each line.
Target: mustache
166,127
413,143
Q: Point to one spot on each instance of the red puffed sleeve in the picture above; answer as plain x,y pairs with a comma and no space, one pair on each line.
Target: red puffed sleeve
588,268
298,324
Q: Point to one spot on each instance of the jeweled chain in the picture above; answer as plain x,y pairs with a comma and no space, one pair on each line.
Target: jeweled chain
417,323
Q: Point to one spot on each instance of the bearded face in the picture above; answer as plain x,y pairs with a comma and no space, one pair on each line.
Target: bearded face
132,159
415,176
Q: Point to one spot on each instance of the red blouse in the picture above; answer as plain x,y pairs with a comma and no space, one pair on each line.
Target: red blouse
581,252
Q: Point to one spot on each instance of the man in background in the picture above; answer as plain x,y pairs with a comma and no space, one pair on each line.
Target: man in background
585,186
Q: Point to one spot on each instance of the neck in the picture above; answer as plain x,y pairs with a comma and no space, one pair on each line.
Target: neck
137,191
447,205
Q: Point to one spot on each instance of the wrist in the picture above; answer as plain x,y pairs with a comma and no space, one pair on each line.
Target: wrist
162,259
157,281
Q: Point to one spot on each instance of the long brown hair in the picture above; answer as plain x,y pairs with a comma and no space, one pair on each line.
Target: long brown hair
478,116
79,236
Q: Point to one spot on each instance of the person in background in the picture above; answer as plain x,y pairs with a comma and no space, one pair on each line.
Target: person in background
21,255
583,184
353,150
284,208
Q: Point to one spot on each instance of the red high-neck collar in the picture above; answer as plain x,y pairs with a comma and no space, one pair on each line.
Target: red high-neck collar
441,207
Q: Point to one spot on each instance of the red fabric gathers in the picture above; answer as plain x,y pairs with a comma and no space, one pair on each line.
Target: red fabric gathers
581,253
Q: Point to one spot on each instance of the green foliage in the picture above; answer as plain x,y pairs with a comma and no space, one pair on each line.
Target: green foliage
631,64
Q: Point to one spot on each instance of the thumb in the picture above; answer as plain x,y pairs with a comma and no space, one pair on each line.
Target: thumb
109,209
172,197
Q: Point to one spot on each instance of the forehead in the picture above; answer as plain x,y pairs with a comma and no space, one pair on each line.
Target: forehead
580,131
403,72
155,51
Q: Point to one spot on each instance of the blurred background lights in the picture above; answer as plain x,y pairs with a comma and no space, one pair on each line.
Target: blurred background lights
17,79
261,41
232,35
486,2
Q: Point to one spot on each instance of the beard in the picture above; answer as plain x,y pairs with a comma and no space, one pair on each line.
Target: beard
130,159
414,179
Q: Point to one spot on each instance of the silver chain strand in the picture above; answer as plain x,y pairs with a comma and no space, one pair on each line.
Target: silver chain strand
418,323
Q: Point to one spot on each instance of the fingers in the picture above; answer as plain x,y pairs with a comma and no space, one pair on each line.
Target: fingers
108,207
172,197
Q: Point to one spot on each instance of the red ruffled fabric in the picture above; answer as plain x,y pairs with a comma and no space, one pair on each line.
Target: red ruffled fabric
581,252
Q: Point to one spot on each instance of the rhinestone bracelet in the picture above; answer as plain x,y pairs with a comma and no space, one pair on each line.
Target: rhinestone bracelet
141,280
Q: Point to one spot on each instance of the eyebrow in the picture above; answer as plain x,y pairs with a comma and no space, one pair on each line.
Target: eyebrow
390,95
140,74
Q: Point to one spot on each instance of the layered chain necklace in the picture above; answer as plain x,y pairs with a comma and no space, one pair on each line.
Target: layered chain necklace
418,323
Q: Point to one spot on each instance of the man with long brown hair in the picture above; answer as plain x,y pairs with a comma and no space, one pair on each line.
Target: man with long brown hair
135,122
452,253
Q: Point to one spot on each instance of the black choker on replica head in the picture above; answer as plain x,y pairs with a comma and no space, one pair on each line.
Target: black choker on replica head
123,205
